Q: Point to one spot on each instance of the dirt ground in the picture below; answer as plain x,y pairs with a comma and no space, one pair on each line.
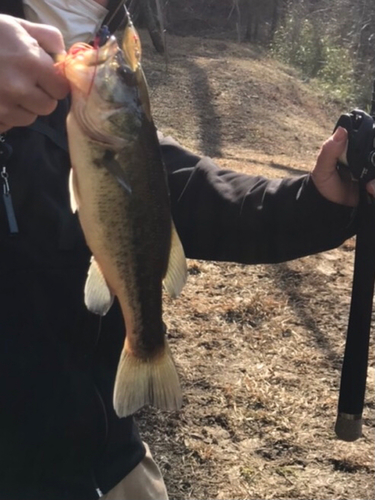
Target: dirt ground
258,348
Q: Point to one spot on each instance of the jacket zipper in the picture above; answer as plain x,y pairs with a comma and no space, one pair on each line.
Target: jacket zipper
96,486
5,153
97,489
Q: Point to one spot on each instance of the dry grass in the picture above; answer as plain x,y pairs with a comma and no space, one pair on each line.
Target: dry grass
259,348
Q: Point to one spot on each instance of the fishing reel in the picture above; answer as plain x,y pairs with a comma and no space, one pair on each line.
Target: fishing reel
359,157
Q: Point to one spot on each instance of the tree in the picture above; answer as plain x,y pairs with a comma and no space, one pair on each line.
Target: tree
150,14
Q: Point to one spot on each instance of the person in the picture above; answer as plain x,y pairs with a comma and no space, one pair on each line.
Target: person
60,438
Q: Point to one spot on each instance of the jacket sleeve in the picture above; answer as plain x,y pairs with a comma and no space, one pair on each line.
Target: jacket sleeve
227,216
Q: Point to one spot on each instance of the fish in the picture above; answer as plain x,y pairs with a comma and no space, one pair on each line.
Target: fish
118,186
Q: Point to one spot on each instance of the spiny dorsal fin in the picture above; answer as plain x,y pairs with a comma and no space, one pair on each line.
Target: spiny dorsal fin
176,274
98,296
131,46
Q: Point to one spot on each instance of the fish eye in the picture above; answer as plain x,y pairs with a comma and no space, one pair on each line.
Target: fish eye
127,76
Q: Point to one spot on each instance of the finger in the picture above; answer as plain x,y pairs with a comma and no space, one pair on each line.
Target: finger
331,151
50,80
48,37
17,116
28,95
48,40
38,102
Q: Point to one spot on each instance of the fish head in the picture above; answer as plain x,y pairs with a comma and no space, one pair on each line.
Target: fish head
109,91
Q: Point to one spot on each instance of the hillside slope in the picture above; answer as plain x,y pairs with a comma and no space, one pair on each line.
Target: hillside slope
228,100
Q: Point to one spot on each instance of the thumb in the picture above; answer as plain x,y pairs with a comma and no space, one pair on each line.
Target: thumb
49,38
332,150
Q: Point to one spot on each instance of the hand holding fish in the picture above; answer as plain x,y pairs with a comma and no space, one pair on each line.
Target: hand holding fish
29,83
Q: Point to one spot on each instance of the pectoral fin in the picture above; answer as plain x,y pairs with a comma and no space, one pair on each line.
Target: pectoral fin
176,274
112,165
98,296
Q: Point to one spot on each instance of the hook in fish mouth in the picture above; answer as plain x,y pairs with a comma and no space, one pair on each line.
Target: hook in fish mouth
80,63
92,56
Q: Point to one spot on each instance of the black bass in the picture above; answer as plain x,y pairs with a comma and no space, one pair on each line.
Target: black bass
119,187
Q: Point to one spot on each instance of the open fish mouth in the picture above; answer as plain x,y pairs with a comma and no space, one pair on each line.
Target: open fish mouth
80,64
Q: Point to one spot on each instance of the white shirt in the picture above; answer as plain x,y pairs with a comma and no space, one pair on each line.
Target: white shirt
78,20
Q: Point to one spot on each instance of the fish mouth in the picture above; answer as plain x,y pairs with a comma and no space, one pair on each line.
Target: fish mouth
82,60
109,91
82,53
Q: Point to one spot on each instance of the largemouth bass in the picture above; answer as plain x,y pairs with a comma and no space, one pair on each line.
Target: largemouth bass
119,187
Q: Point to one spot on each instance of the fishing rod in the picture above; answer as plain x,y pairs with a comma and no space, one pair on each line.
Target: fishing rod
360,160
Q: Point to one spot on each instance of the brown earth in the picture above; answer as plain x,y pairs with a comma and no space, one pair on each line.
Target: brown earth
258,348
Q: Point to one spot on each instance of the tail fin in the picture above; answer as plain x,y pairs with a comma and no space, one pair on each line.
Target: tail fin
139,382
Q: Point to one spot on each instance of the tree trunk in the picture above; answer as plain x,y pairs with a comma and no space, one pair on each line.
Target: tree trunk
275,18
149,16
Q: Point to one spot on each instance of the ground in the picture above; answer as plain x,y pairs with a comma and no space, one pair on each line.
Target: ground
258,348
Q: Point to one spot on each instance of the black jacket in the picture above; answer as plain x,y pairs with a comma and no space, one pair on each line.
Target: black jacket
59,436
227,216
